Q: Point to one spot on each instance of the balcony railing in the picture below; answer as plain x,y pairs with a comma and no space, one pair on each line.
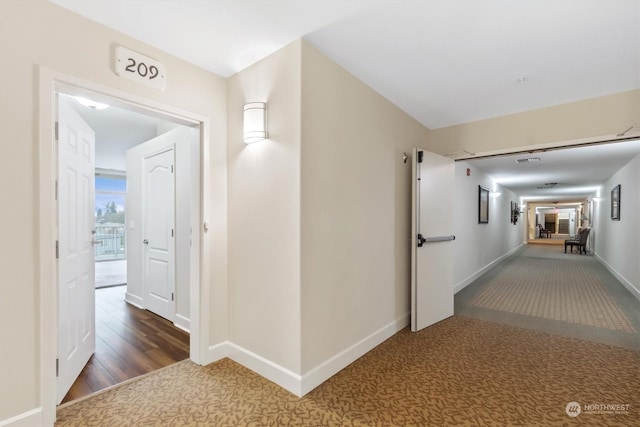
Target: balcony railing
111,242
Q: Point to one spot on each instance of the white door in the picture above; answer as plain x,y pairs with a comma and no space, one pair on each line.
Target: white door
76,268
432,239
158,232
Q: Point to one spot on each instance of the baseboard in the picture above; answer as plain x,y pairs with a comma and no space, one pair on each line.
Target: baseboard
326,370
183,323
134,300
216,352
30,418
285,378
469,280
634,291
292,382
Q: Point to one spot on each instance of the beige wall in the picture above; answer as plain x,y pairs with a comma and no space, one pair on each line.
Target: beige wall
318,214
355,209
36,33
264,212
604,116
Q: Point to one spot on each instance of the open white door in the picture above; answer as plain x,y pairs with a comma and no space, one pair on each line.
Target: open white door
158,229
432,239
76,263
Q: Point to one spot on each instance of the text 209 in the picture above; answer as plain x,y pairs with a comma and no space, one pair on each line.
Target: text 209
142,69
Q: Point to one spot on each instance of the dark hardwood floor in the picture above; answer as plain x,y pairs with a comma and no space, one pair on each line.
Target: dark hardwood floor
129,342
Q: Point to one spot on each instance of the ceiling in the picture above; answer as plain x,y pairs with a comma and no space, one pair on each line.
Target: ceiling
559,175
444,62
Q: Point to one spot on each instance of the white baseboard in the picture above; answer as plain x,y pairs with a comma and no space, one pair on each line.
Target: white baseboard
469,280
292,382
30,418
134,300
329,368
183,323
627,284
285,378
216,352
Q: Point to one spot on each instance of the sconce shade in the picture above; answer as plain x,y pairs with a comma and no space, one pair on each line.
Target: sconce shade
255,122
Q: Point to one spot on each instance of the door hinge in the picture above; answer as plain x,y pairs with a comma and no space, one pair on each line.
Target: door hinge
57,249
420,154
57,367
56,130
172,232
171,168
171,296
56,189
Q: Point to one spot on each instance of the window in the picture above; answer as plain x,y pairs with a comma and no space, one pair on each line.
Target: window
110,199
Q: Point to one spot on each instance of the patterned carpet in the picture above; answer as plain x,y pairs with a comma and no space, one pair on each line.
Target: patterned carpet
560,290
459,372
540,336
541,287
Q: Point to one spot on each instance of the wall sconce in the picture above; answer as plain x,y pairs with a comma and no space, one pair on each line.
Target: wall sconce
255,122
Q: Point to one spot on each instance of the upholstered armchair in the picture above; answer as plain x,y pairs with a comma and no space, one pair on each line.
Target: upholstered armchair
580,241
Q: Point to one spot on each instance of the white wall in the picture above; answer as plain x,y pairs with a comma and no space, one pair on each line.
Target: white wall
617,243
355,216
319,218
479,246
264,215
185,141
33,34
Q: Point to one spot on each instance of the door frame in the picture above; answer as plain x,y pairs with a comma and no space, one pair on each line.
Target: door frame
51,81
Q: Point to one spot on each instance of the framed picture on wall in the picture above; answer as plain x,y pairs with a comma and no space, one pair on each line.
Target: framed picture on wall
615,203
483,205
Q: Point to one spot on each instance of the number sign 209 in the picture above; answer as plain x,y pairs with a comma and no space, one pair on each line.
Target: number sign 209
140,68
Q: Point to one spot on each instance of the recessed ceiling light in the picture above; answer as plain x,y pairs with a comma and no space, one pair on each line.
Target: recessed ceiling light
528,160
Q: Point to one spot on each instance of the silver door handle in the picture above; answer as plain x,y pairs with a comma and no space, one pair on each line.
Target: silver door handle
438,239
145,241
96,242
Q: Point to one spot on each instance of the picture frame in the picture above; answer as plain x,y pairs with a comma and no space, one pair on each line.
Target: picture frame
515,213
615,202
483,205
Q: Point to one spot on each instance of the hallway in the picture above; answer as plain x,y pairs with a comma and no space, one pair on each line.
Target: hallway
542,288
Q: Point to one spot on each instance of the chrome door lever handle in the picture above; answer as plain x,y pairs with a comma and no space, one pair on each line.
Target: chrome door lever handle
145,241
96,242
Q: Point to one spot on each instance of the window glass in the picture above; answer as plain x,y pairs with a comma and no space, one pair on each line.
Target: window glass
109,217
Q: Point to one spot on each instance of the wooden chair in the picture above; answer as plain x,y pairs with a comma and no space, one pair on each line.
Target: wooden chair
580,241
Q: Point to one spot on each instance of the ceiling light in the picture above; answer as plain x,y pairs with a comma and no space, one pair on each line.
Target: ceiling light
91,104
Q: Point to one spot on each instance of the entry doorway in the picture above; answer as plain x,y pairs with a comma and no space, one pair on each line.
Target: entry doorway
125,332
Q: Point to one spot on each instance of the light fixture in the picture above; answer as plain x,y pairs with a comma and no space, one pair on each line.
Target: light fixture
255,122
90,103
